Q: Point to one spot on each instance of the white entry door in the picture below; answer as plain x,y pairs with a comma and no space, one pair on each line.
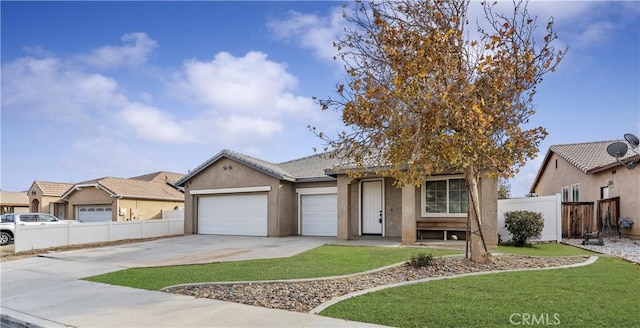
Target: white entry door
372,214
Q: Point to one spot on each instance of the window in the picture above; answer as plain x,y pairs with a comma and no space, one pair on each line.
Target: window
8,218
571,194
565,194
575,193
46,218
444,197
28,218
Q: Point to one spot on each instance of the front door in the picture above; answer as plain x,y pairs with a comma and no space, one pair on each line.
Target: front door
372,215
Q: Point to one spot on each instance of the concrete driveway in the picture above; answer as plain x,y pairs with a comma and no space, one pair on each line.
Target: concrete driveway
46,291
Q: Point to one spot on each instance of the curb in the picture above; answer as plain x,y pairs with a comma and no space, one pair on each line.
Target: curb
14,319
319,308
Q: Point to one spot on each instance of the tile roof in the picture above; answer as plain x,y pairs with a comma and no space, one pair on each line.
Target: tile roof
133,188
161,176
12,198
590,156
310,168
53,188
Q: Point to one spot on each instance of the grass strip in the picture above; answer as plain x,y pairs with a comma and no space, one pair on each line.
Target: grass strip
323,261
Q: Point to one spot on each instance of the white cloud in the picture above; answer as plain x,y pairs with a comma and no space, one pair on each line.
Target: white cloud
136,51
153,124
245,98
47,86
314,32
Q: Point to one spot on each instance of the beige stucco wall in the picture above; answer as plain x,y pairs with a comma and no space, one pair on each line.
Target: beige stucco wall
145,209
623,183
44,202
280,222
401,216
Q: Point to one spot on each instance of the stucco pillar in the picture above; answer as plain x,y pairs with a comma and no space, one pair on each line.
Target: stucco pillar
408,214
344,183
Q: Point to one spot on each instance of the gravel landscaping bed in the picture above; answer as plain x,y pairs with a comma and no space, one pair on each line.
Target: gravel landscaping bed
625,248
303,296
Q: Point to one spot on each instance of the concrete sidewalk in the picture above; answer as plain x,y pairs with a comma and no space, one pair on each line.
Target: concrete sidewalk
47,291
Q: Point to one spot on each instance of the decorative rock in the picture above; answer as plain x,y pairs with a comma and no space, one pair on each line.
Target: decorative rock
302,296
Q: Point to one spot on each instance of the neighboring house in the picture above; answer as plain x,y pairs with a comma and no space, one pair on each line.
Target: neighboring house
44,197
584,172
118,199
236,194
14,202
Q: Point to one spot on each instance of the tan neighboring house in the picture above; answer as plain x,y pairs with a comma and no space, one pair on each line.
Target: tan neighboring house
236,194
119,199
44,197
584,172
14,202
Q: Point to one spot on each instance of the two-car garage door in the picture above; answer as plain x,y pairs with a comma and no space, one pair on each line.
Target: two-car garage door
237,214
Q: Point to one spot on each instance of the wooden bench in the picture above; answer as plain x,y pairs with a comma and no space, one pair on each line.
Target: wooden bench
444,226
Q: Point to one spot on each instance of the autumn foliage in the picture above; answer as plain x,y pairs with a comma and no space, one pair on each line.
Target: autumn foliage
429,92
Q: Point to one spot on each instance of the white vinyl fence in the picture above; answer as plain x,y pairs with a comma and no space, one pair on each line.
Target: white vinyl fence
549,206
30,237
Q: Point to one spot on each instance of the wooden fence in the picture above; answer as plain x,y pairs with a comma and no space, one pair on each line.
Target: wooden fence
608,214
577,217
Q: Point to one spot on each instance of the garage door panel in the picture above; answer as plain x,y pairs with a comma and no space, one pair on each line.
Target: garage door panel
319,215
233,215
94,213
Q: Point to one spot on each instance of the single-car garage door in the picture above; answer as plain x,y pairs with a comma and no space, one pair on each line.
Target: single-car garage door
244,215
94,213
319,215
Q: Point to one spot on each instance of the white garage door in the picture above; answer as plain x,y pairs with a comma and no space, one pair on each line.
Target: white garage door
319,215
244,215
94,213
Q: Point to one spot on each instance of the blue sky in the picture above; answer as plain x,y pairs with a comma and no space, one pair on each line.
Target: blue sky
93,89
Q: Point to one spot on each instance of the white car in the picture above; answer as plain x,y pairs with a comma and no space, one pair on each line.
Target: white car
9,220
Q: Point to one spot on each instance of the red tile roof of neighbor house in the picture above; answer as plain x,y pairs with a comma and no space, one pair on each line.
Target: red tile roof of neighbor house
53,188
12,198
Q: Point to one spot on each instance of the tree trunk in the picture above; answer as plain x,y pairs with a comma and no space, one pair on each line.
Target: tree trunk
476,243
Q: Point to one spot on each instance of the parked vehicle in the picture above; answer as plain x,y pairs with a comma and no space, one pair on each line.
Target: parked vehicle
8,223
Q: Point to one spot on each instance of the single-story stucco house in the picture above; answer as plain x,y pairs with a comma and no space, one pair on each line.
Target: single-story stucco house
14,202
119,199
236,194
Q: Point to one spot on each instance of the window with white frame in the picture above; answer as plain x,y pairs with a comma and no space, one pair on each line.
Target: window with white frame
571,193
575,193
565,194
444,196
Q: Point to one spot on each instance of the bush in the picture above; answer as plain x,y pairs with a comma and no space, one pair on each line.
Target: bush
420,260
523,225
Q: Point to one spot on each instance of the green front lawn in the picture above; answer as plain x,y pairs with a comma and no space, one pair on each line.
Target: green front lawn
546,249
327,260
603,294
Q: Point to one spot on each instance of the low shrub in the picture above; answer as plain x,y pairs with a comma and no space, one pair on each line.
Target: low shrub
420,260
523,225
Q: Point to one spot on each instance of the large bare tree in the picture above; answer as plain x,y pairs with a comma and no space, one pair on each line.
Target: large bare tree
429,92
